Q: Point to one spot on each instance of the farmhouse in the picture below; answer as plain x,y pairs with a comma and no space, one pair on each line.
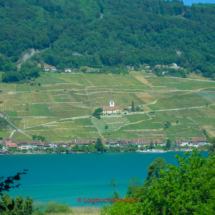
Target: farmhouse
67,70
130,67
46,69
53,69
10,144
111,109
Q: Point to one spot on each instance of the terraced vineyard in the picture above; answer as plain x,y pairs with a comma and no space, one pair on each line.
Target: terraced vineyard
61,108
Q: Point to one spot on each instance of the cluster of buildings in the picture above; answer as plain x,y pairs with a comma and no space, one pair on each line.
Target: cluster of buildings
193,142
53,70
139,142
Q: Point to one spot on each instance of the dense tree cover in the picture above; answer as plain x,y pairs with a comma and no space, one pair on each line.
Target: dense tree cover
28,71
109,33
184,189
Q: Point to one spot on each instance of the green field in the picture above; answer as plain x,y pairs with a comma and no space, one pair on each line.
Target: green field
61,108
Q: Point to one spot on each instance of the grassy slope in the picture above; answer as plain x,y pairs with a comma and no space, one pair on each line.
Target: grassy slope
61,97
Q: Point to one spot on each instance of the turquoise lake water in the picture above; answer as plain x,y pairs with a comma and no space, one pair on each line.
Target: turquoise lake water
64,178
190,2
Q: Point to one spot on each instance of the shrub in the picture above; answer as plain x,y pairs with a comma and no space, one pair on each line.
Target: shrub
55,207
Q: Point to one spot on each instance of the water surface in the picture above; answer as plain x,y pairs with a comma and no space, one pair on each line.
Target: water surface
64,178
190,2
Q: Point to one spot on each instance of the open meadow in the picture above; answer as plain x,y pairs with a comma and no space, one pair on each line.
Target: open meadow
60,107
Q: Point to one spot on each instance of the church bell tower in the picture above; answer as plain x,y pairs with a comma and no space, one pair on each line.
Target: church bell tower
111,103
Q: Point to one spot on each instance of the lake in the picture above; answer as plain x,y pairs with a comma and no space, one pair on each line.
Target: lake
64,178
190,2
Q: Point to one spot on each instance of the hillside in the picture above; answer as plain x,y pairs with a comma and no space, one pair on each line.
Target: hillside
93,33
60,107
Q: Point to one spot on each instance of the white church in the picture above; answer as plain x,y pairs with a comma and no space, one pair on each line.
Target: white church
111,109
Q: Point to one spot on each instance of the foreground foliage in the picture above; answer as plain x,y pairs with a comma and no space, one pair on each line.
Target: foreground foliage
15,206
185,189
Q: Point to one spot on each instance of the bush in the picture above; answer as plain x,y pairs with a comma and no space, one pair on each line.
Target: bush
16,206
55,207
24,150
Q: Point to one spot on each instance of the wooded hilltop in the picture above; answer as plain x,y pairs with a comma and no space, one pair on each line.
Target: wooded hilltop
97,33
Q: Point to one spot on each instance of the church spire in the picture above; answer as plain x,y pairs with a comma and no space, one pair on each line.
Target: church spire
111,103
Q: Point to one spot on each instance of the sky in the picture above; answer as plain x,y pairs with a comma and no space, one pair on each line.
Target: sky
190,2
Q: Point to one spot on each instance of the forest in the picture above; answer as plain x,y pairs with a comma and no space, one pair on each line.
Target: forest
106,33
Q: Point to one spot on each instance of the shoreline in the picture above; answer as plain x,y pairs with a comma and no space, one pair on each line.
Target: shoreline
144,152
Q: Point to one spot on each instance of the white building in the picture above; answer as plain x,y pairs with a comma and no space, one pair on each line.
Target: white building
47,69
184,142
67,70
111,103
111,109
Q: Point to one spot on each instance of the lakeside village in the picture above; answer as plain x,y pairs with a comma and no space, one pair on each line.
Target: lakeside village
9,146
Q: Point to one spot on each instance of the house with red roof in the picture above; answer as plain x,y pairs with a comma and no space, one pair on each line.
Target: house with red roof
10,145
53,69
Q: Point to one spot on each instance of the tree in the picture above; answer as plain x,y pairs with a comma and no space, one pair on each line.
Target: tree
154,170
151,146
91,147
84,148
137,108
167,124
133,186
76,147
97,113
132,106
106,126
99,146
34,137
116,194
168,144
84,70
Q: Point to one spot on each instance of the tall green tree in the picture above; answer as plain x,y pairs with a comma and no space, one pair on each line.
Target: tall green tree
168,144
99,145
154,170
132,106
